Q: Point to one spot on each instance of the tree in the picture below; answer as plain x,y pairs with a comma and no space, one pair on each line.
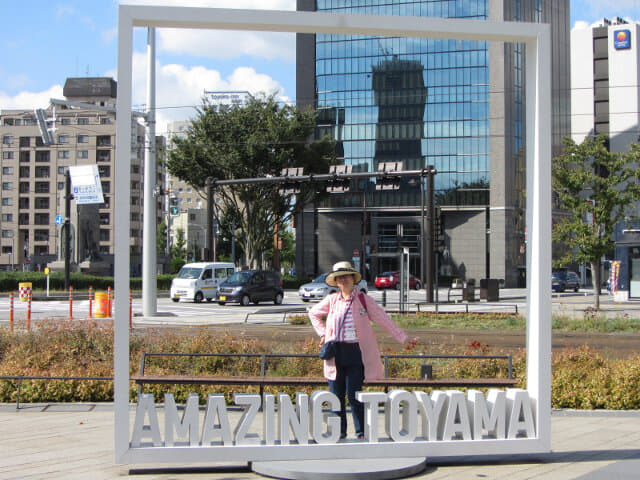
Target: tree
161,238
257,139
178,251
596,189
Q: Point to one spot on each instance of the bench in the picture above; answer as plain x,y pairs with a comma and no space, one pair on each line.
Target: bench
263,381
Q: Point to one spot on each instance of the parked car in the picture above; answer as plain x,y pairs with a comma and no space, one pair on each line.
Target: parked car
251,286
392,280
318,289
564,280
199,281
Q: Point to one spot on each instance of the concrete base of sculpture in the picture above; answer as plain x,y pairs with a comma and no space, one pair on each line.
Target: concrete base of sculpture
361,468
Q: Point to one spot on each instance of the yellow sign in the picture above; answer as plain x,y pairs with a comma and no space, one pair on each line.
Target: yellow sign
46,271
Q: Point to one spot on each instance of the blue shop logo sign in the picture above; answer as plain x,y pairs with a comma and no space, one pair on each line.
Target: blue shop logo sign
622,39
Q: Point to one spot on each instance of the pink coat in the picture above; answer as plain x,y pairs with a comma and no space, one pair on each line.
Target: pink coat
362,318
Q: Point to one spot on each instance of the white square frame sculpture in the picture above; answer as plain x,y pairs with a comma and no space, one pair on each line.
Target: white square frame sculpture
536,37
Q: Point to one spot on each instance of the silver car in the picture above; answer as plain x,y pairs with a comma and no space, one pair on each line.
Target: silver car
318,289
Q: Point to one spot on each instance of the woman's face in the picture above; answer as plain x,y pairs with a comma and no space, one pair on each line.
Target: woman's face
345,283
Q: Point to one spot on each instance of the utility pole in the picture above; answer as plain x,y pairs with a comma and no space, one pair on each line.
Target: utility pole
211,247
429,257
67,230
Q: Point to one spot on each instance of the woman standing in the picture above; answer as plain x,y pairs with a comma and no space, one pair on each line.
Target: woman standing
348,322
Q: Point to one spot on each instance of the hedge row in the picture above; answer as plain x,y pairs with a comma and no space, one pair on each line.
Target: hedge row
9,281
582,378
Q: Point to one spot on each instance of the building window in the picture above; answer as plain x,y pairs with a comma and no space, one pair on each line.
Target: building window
8,122
103,155
105,219
104,235
104,170
105,120
29,121
25,172
107,202
83,120
23,203
106,187
41,250
24,187
42,172
43,156
7,170
42,202
65,121
41,219
60,185
135,233
63,153
62,170
41,235
39,142
7,155
83,139
135,185
82,154
7,234
42,187
7,201
7,140
7,217
135,169
135,201
25,156
63,138
7,185
135,217
23,219
103,140
25,141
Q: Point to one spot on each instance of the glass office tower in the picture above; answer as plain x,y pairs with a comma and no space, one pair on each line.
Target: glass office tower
455,105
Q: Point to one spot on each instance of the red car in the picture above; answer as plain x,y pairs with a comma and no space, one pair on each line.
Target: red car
392,280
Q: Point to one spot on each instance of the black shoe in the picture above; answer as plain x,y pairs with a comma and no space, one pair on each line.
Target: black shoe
343,436
360,436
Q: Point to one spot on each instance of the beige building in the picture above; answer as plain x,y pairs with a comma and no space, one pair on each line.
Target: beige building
33,180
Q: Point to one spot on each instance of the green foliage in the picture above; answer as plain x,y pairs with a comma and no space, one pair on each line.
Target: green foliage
582,378
257,139
596,189
81,282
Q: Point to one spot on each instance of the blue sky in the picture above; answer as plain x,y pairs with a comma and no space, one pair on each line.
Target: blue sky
46,41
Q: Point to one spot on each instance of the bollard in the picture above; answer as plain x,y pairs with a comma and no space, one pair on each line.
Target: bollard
11,310
384,297
70,302
426,371
130,309
90,301
109,298
29,312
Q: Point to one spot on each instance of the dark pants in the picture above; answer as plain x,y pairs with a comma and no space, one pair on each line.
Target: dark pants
349,379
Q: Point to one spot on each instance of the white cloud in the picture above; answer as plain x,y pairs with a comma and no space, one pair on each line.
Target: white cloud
227,44
179,89
30,99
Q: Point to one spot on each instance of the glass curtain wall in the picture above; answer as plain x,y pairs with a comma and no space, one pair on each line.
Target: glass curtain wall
418,101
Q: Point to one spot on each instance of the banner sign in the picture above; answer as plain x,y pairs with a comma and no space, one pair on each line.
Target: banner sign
622,39
86,185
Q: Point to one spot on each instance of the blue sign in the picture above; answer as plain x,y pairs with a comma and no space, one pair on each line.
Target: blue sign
622,39
59,220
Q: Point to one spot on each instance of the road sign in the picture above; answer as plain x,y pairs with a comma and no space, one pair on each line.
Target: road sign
59,219
87,187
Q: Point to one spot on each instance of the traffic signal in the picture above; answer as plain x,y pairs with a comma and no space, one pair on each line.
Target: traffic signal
173,206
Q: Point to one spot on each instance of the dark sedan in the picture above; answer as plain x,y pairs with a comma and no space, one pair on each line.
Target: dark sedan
564,280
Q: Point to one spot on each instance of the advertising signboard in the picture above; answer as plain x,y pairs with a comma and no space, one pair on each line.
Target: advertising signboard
85,183
622,39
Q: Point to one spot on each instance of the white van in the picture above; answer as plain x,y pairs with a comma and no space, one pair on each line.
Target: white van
199,281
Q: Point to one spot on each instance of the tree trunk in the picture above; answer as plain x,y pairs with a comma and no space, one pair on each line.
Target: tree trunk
595,278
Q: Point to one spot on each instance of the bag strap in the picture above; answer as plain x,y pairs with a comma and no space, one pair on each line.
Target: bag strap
363,300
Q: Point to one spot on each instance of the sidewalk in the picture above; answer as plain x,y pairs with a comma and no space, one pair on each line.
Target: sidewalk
75,441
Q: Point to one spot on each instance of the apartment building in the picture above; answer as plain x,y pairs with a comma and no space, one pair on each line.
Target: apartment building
33,181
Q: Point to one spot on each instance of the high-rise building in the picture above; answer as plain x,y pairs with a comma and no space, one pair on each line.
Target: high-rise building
605,99
455,105
33,180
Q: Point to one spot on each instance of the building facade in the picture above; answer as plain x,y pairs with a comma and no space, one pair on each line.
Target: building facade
455,105
33,181
605,99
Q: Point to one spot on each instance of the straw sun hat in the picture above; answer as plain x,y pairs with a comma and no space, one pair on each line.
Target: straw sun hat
340,269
